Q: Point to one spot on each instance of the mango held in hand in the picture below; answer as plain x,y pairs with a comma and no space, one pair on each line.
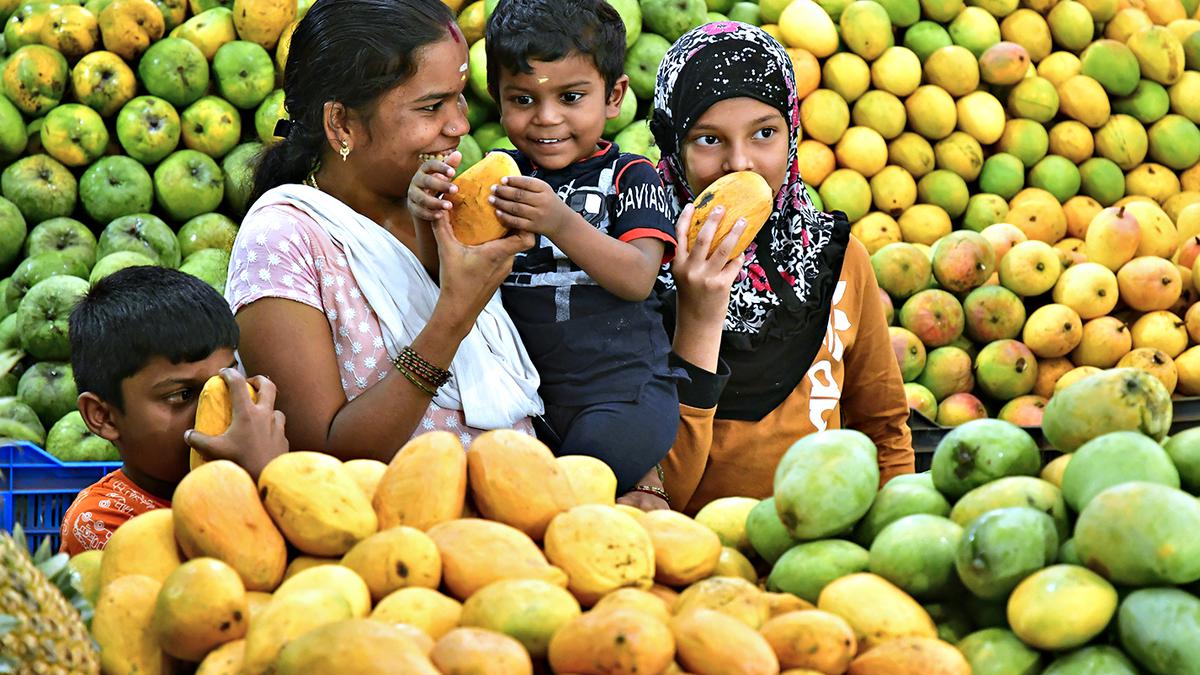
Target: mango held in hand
214,411
744,194
473,218
825,483
316,504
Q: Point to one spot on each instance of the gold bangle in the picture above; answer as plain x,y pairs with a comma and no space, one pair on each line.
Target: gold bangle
417,383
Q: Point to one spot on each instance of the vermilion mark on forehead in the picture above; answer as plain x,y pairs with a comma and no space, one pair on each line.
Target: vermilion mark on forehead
454,33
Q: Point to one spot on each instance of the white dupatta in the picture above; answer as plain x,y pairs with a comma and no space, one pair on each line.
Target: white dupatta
493,380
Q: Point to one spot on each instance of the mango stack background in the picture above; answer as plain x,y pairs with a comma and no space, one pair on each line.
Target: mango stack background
129,128
504,559
1031,124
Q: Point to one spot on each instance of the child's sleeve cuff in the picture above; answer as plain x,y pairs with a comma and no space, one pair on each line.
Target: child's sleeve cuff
705,388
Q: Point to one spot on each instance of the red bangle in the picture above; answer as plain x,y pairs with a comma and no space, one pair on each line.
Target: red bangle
653,490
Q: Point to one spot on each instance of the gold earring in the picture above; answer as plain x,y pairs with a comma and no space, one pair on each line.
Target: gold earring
345,151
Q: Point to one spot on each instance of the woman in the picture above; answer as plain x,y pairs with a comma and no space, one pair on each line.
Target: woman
333,304
799,344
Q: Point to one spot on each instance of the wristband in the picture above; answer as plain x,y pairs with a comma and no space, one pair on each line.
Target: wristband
654,490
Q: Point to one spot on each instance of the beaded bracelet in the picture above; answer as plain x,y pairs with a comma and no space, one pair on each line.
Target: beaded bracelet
654,490
408,375
414,362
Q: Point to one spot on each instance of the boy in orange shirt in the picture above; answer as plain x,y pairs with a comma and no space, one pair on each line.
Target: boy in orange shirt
144,341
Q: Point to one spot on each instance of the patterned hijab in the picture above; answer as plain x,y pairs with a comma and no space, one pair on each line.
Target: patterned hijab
727,60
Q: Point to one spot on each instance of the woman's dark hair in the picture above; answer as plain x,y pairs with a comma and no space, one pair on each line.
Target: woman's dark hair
352,52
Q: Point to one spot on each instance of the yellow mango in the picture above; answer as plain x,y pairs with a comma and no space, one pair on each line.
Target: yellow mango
877,610
425,483
224,660
612,641
340,580
285,619
475,651
358,646
812,639
713,643
263,21
284,47
128,27
911,656
474,220
87,566
727,517
631,511
733,596
144,545
394,559
529,610
666,594
367,473
316,504
601,550
1061,607
733,564
424,608
1054,470
304,562
743,194
419,638
201,606
684,551
638,600
70,30
591,479
785,603
214,412
515,480
122,628
256,600
218,514
478,552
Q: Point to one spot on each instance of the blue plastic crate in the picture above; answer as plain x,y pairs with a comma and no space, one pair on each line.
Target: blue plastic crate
37,489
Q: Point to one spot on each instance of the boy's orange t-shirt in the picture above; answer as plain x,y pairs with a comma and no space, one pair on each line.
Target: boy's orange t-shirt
101,508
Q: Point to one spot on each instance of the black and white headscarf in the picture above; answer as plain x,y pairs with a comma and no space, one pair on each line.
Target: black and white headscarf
779,306
726,60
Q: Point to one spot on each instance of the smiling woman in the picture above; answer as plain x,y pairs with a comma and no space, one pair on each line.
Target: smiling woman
328,274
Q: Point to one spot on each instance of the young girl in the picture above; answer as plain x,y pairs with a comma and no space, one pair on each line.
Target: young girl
799,343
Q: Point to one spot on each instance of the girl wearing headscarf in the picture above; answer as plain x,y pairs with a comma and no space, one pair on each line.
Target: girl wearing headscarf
790,338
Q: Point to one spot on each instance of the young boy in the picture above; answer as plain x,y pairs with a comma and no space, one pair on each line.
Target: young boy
144,341
582,296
